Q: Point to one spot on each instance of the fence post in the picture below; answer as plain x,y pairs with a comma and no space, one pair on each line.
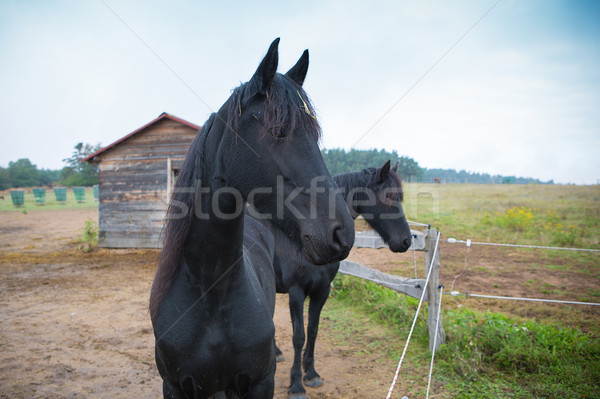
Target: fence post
433,292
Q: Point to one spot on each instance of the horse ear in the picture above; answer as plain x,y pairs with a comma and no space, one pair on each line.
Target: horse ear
384,172
298,72
263,77
395,167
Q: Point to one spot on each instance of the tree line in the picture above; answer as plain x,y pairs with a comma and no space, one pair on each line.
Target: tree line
22,173
462,176
339,161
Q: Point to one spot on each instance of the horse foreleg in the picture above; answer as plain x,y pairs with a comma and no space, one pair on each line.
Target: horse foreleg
172,391
263,389
296,297
311,377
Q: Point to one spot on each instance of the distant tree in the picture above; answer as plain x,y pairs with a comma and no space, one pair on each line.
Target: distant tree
78,173
452,176
49,177
409,169
4,179
339,161
23,173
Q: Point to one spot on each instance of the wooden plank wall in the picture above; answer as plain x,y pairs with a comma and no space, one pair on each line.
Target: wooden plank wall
133,184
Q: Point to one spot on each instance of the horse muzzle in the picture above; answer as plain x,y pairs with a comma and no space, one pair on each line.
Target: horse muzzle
334,247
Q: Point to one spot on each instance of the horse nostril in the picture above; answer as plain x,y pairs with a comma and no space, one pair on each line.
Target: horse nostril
336,237
407,242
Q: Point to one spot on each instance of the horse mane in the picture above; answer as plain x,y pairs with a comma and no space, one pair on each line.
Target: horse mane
368,178
394,181
178,219
286,104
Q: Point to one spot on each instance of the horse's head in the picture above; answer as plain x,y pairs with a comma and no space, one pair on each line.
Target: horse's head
280,170
381,206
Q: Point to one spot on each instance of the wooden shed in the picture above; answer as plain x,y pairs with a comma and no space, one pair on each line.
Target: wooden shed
136,176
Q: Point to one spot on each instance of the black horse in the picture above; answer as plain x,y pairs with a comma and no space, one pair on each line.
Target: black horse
213,295
377,195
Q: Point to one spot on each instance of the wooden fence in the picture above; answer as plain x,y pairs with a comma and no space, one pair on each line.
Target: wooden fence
422,241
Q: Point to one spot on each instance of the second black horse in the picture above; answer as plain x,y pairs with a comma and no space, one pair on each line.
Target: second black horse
375,193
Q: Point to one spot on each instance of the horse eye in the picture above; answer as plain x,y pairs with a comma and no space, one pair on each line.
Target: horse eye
279,132
390,198
256,116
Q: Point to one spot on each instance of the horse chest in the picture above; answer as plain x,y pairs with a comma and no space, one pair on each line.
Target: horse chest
202,336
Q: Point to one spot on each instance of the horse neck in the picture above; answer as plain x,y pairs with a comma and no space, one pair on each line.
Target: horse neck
214,244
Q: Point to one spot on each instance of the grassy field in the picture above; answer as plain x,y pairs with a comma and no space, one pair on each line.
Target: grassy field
486,355
30,204
530,214
536,350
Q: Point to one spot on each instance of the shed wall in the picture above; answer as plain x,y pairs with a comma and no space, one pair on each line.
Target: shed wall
133,180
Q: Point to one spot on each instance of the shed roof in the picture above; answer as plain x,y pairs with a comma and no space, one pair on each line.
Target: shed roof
164,115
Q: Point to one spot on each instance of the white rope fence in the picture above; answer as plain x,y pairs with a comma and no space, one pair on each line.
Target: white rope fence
468,295
389,395
468,242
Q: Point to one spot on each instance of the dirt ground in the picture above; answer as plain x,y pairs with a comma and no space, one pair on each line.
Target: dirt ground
76,325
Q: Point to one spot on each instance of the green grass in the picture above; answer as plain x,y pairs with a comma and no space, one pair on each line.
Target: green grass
555,353
542,360
31,206
486,355
369,318
551,214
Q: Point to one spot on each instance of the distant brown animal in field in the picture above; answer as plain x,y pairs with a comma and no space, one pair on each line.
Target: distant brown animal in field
1,196
437,180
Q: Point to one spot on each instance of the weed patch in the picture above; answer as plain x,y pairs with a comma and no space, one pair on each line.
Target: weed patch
536,224
89,236
566,360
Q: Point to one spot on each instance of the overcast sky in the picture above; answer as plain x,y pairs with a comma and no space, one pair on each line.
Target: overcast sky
501,87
